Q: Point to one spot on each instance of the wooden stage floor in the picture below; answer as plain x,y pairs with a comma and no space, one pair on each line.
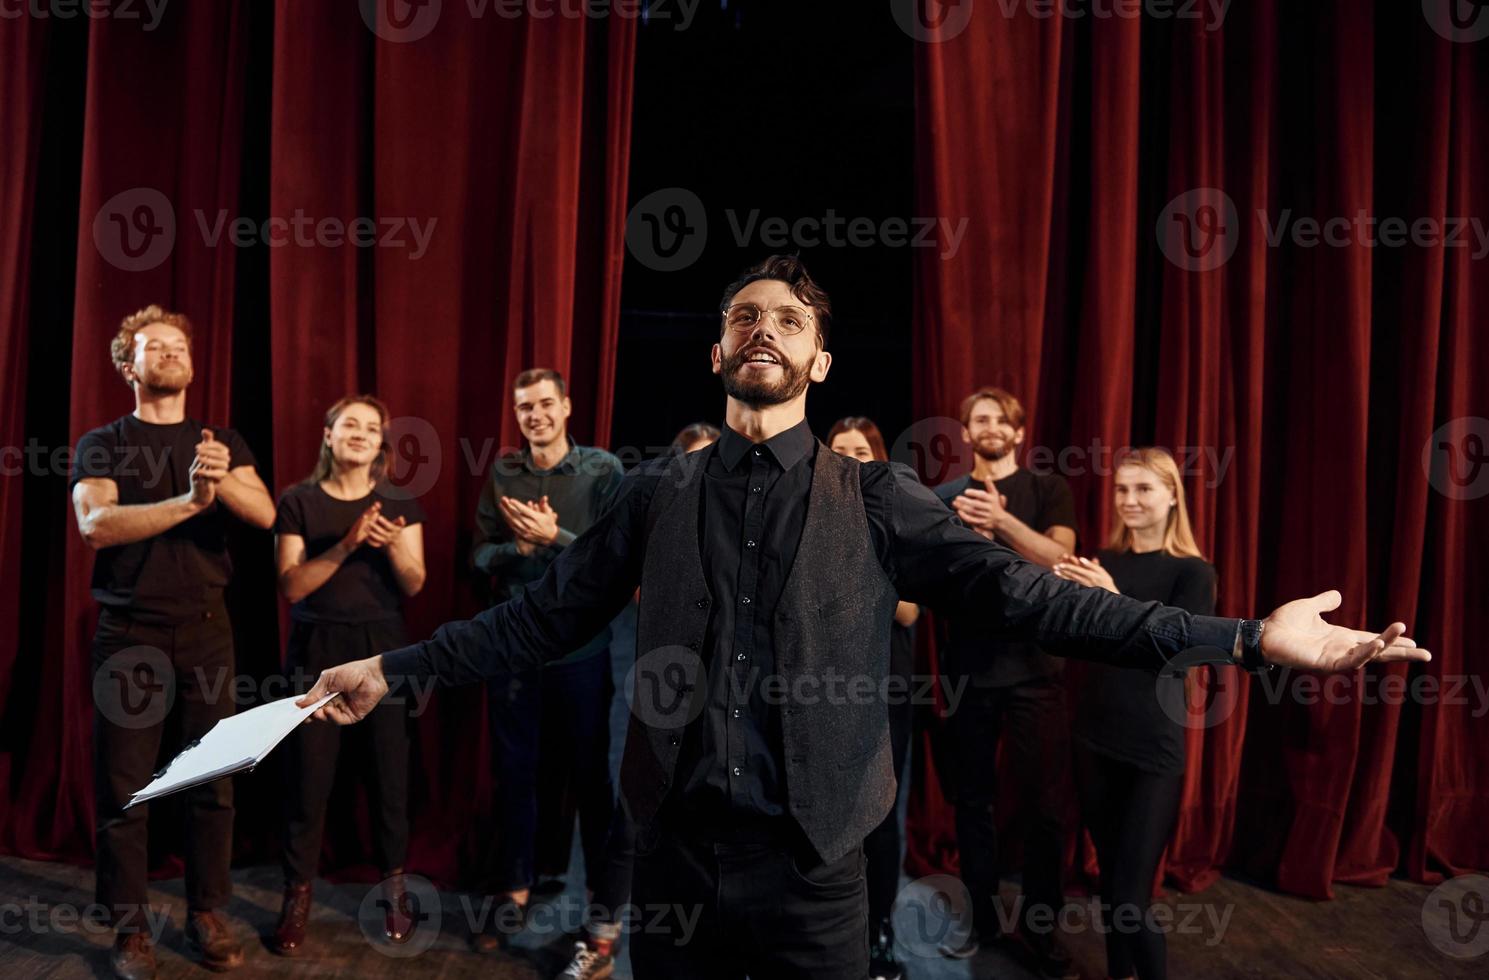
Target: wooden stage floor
1234,930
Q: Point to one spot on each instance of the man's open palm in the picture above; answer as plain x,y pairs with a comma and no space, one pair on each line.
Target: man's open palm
1297,636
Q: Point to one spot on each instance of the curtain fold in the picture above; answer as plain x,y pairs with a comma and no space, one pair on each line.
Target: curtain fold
340,207
1134,270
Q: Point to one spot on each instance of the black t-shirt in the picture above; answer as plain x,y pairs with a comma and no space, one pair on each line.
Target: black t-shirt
1134,715
179,573
363,589
1042,501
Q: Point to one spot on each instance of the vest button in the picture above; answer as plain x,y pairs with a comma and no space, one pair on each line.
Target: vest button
702,603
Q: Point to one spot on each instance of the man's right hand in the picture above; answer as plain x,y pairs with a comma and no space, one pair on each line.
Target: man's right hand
208,468
361,685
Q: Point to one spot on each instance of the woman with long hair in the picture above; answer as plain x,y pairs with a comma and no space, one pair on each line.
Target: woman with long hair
350,549
1129,736
860,438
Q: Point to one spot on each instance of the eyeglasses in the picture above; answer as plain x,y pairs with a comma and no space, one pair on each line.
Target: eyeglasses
747,316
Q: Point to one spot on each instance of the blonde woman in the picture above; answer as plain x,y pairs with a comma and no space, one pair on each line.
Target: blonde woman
1129,747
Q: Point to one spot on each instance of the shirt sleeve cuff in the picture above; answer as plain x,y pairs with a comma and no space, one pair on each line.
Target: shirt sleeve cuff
565,538
1214,631
406,662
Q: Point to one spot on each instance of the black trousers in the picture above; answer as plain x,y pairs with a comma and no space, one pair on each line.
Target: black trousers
1031,717
1130,813
576,699
612,888
158,686
882,846
379,746
726,911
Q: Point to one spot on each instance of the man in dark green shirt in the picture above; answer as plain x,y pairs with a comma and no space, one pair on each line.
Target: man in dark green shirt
535,502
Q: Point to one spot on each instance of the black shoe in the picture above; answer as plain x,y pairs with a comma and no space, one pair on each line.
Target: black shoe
507,920
965,950
1051,959
547,887
882,964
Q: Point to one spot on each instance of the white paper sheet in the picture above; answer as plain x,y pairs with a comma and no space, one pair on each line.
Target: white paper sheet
233,744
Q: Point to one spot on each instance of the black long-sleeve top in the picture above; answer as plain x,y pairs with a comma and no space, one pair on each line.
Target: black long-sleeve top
929,555
1137,716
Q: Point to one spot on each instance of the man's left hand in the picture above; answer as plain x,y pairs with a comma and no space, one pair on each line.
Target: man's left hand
1295,635
536,522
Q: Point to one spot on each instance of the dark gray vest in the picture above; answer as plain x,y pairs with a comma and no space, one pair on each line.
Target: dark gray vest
831,636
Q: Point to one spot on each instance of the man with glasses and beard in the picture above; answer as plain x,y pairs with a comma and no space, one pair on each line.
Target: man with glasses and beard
1014,690
153,492
758,757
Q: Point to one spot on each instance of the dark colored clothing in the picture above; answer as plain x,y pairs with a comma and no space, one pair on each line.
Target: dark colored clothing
1133,715
1041,501
526,706
1031,719
881,849
762,910
1130,813
180,573
578,489
754,507
550,721
158,686
364,588
380,746
612,889
871,530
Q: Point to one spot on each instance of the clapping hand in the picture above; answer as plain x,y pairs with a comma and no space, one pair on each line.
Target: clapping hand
533,523
1085,571
208,468
981,508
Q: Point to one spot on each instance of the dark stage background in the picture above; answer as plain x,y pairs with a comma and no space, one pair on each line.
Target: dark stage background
1321,373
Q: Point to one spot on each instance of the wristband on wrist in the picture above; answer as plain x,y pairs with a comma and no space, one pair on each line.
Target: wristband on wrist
1248,651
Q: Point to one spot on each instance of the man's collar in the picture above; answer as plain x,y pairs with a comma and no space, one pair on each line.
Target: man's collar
788,447
569,465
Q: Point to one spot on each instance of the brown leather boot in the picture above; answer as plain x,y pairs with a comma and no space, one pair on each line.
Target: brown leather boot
133,956
211,937
288,937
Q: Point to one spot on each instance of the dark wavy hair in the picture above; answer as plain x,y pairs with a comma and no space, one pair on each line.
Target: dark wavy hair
789,270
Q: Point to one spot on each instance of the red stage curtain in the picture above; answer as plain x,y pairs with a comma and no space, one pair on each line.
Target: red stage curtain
492,155
1323,371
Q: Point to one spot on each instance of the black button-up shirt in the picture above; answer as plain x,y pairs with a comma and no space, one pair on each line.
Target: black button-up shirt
753,511
930,556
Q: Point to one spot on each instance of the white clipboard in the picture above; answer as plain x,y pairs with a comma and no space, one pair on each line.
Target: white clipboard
232,745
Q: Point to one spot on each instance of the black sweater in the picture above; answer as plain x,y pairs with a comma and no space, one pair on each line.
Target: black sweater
1134,715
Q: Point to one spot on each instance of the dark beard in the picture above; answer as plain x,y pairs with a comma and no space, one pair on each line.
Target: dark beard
760,393
990,455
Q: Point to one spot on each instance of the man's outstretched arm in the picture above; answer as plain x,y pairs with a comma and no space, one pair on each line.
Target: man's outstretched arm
581,592
939,562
